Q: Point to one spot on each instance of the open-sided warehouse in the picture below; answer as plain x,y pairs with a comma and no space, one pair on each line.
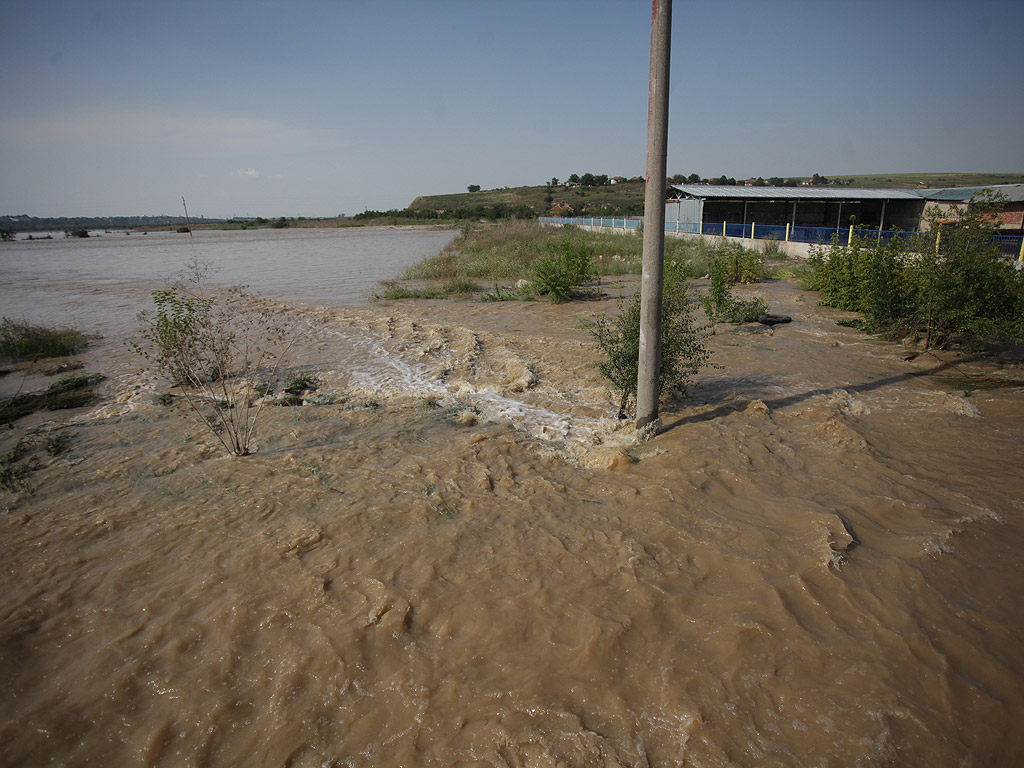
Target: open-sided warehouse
795,206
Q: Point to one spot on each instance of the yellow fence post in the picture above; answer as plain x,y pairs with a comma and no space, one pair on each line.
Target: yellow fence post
849,240
752,225
723,229
700,227
1020,256
787,231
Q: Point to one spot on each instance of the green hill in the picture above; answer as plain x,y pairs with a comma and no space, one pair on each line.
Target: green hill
933,180
627,198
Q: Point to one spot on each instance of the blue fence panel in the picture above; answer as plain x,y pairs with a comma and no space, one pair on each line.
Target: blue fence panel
1009,245
814,234
770,232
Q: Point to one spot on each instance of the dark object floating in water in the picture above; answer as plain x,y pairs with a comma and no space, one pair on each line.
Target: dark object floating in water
771,320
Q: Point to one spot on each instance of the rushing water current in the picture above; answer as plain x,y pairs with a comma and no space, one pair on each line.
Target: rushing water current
456,556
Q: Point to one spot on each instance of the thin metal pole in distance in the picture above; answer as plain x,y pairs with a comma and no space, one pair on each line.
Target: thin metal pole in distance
648,387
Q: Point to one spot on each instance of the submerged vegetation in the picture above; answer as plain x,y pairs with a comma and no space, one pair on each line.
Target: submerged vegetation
72,391
20,340
734,264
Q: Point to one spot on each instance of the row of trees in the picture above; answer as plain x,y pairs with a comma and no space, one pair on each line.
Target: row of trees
490,212
601,180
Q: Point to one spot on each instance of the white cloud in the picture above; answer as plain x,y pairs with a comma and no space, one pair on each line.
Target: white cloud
251,173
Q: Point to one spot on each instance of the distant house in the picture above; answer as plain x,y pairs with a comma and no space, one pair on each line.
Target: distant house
617,179
1011,213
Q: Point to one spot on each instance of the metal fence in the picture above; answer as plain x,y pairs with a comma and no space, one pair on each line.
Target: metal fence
1011,246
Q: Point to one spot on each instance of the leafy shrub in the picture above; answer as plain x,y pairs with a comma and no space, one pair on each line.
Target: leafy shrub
739,264
299,382
20,340
952,286
683,343
569,263
721,305
552,277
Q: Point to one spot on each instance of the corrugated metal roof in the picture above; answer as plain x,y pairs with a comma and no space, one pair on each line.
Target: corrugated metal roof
1014,193
714,191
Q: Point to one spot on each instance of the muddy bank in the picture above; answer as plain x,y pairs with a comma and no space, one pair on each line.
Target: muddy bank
464,560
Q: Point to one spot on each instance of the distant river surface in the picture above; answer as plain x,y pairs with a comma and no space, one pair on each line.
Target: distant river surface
99,284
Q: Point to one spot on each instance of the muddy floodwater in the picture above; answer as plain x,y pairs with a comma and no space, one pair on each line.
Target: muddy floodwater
456,556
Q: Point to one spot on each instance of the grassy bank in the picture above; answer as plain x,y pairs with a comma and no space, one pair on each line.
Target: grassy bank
496,256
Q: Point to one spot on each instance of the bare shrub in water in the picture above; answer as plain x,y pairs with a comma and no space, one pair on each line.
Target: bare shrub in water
216,349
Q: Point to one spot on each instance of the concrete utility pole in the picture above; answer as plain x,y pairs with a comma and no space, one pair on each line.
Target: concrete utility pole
648,385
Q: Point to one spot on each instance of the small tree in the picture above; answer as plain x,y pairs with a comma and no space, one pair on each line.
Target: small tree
683,343
215,349
473,188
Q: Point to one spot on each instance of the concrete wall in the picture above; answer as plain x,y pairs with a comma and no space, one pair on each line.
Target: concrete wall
791,249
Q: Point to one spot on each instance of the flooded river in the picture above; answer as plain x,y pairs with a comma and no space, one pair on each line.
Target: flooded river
461,558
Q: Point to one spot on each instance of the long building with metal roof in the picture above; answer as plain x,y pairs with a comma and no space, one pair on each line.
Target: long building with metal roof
797,206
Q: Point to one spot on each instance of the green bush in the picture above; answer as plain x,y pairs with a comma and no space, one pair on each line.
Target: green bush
952,287
739,264
683,343
299,382
569,263
720,305
552,277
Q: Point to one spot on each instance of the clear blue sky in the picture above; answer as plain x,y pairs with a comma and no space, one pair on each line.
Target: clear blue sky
319,108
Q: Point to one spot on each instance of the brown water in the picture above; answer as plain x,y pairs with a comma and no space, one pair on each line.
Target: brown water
465,561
